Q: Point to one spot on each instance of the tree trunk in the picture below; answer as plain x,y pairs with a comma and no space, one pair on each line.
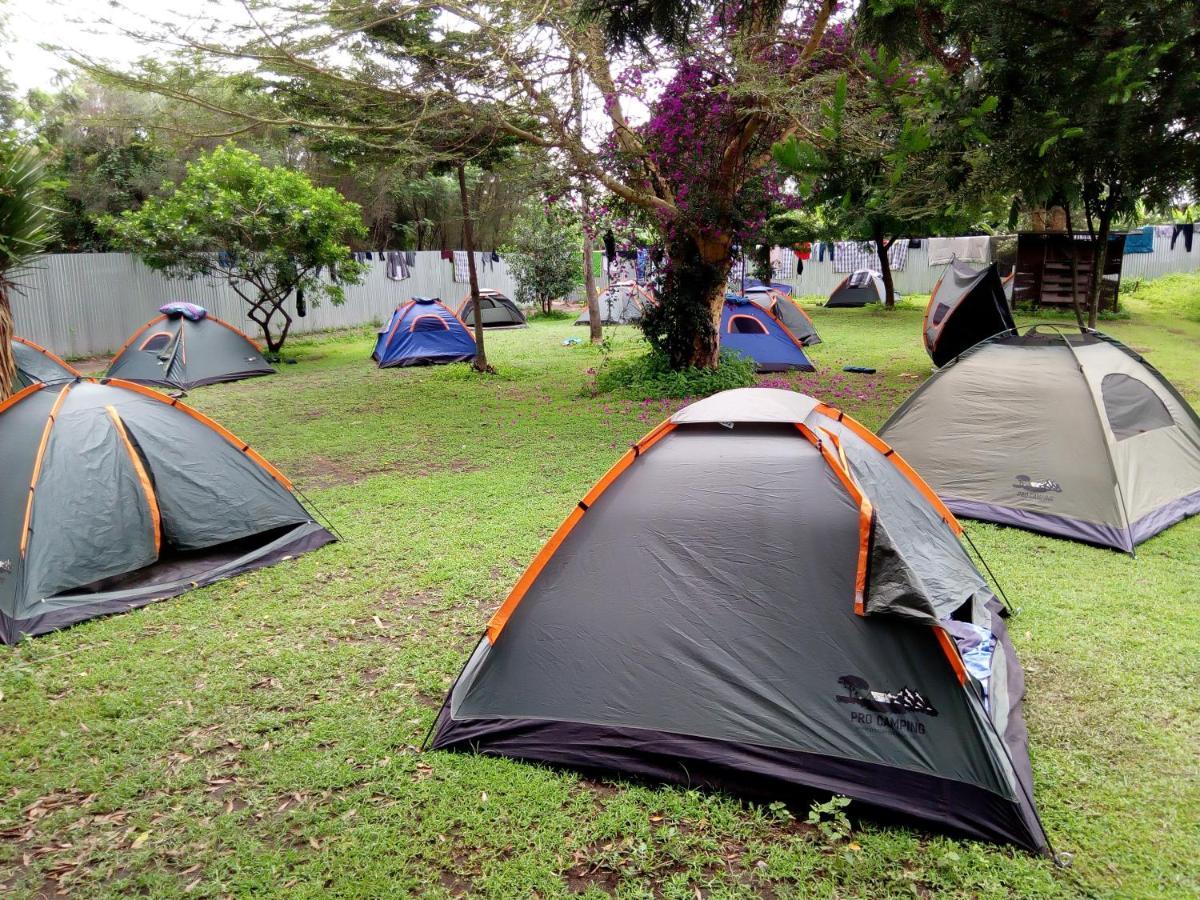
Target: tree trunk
8,365
882,246
685,323
1099,259
1074,268
595,326
468,231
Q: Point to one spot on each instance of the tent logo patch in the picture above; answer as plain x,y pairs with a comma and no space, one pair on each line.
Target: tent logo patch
887,710
1027,485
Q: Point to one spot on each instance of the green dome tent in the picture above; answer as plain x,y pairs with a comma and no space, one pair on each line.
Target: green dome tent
176,351
35,364
115,496
760,596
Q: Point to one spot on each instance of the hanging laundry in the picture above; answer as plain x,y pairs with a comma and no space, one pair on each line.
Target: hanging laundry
461,271
803,250
783,263
823,248
397,266
1140,241
301,305
850,256
964,249
914,243
610,247
225,259
1186,230
448,255
410,259
643,259
1163,231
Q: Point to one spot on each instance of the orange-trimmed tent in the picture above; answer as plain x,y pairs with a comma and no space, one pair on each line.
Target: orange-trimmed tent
761,596
175,351
115,496
37,364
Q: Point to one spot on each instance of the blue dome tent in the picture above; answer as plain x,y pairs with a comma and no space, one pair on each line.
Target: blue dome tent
423,332
752,331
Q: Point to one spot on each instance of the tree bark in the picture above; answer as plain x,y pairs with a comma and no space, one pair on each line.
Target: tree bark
882,246
715,252
595,326
481,363
1074,268
1100,258
8,365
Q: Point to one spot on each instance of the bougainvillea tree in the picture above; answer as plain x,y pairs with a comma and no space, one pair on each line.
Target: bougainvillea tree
681,101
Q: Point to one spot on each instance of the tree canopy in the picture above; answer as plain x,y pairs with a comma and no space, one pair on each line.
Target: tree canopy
268,231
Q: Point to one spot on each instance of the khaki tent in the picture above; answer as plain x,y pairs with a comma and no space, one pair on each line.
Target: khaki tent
1066,433
175,351
761,596
621,303
496,311
115,496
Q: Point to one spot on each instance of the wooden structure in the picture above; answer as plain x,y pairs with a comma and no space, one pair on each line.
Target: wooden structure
1044,269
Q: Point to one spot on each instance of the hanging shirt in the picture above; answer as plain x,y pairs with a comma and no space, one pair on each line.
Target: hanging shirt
966,249
461,271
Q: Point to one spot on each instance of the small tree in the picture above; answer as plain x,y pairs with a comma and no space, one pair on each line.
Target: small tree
266,231
544,256
25,231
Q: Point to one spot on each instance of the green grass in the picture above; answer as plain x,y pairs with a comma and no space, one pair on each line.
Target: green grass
260,736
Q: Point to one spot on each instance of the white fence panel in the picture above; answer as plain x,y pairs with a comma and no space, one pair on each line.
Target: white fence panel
88,304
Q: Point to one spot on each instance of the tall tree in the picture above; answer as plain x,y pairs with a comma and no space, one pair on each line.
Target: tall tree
895,155
25,231
544,257
750,71
1098,99
266,231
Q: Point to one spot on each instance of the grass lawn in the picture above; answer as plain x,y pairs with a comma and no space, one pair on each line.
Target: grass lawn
260,736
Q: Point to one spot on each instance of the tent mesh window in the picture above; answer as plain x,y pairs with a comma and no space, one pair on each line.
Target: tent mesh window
1132,407
429,323
156,342
746,325
940,313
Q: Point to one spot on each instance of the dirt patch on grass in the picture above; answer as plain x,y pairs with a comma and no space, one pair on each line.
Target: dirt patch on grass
323,472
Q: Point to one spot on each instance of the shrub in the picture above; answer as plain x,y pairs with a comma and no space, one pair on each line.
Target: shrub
651,375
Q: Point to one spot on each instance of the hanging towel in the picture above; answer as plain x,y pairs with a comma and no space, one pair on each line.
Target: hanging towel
301,305
1163,231
410,258
1141,241
965,249
461,273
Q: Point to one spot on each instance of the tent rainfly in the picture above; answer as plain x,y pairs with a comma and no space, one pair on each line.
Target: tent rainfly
1066,433
761,597
116,496
423,332
858,289
754,332
178,351
621,303
37,364
781,306
966,307
496,310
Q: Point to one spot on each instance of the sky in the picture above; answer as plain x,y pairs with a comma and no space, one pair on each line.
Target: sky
80,25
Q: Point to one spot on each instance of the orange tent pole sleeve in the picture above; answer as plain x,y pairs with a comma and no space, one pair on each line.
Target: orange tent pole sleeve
525,582
37,467
951,650
896,460
42,350
143,478
133,337
21,395
200,417
238,331
866,512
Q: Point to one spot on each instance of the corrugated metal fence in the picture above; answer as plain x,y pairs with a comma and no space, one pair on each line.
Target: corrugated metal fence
88,304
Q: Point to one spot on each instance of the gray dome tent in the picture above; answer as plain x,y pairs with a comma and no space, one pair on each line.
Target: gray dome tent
621,303
36,364
966,307
115,496
781,307
858,289
1066,433
496,310
760,596
176,351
